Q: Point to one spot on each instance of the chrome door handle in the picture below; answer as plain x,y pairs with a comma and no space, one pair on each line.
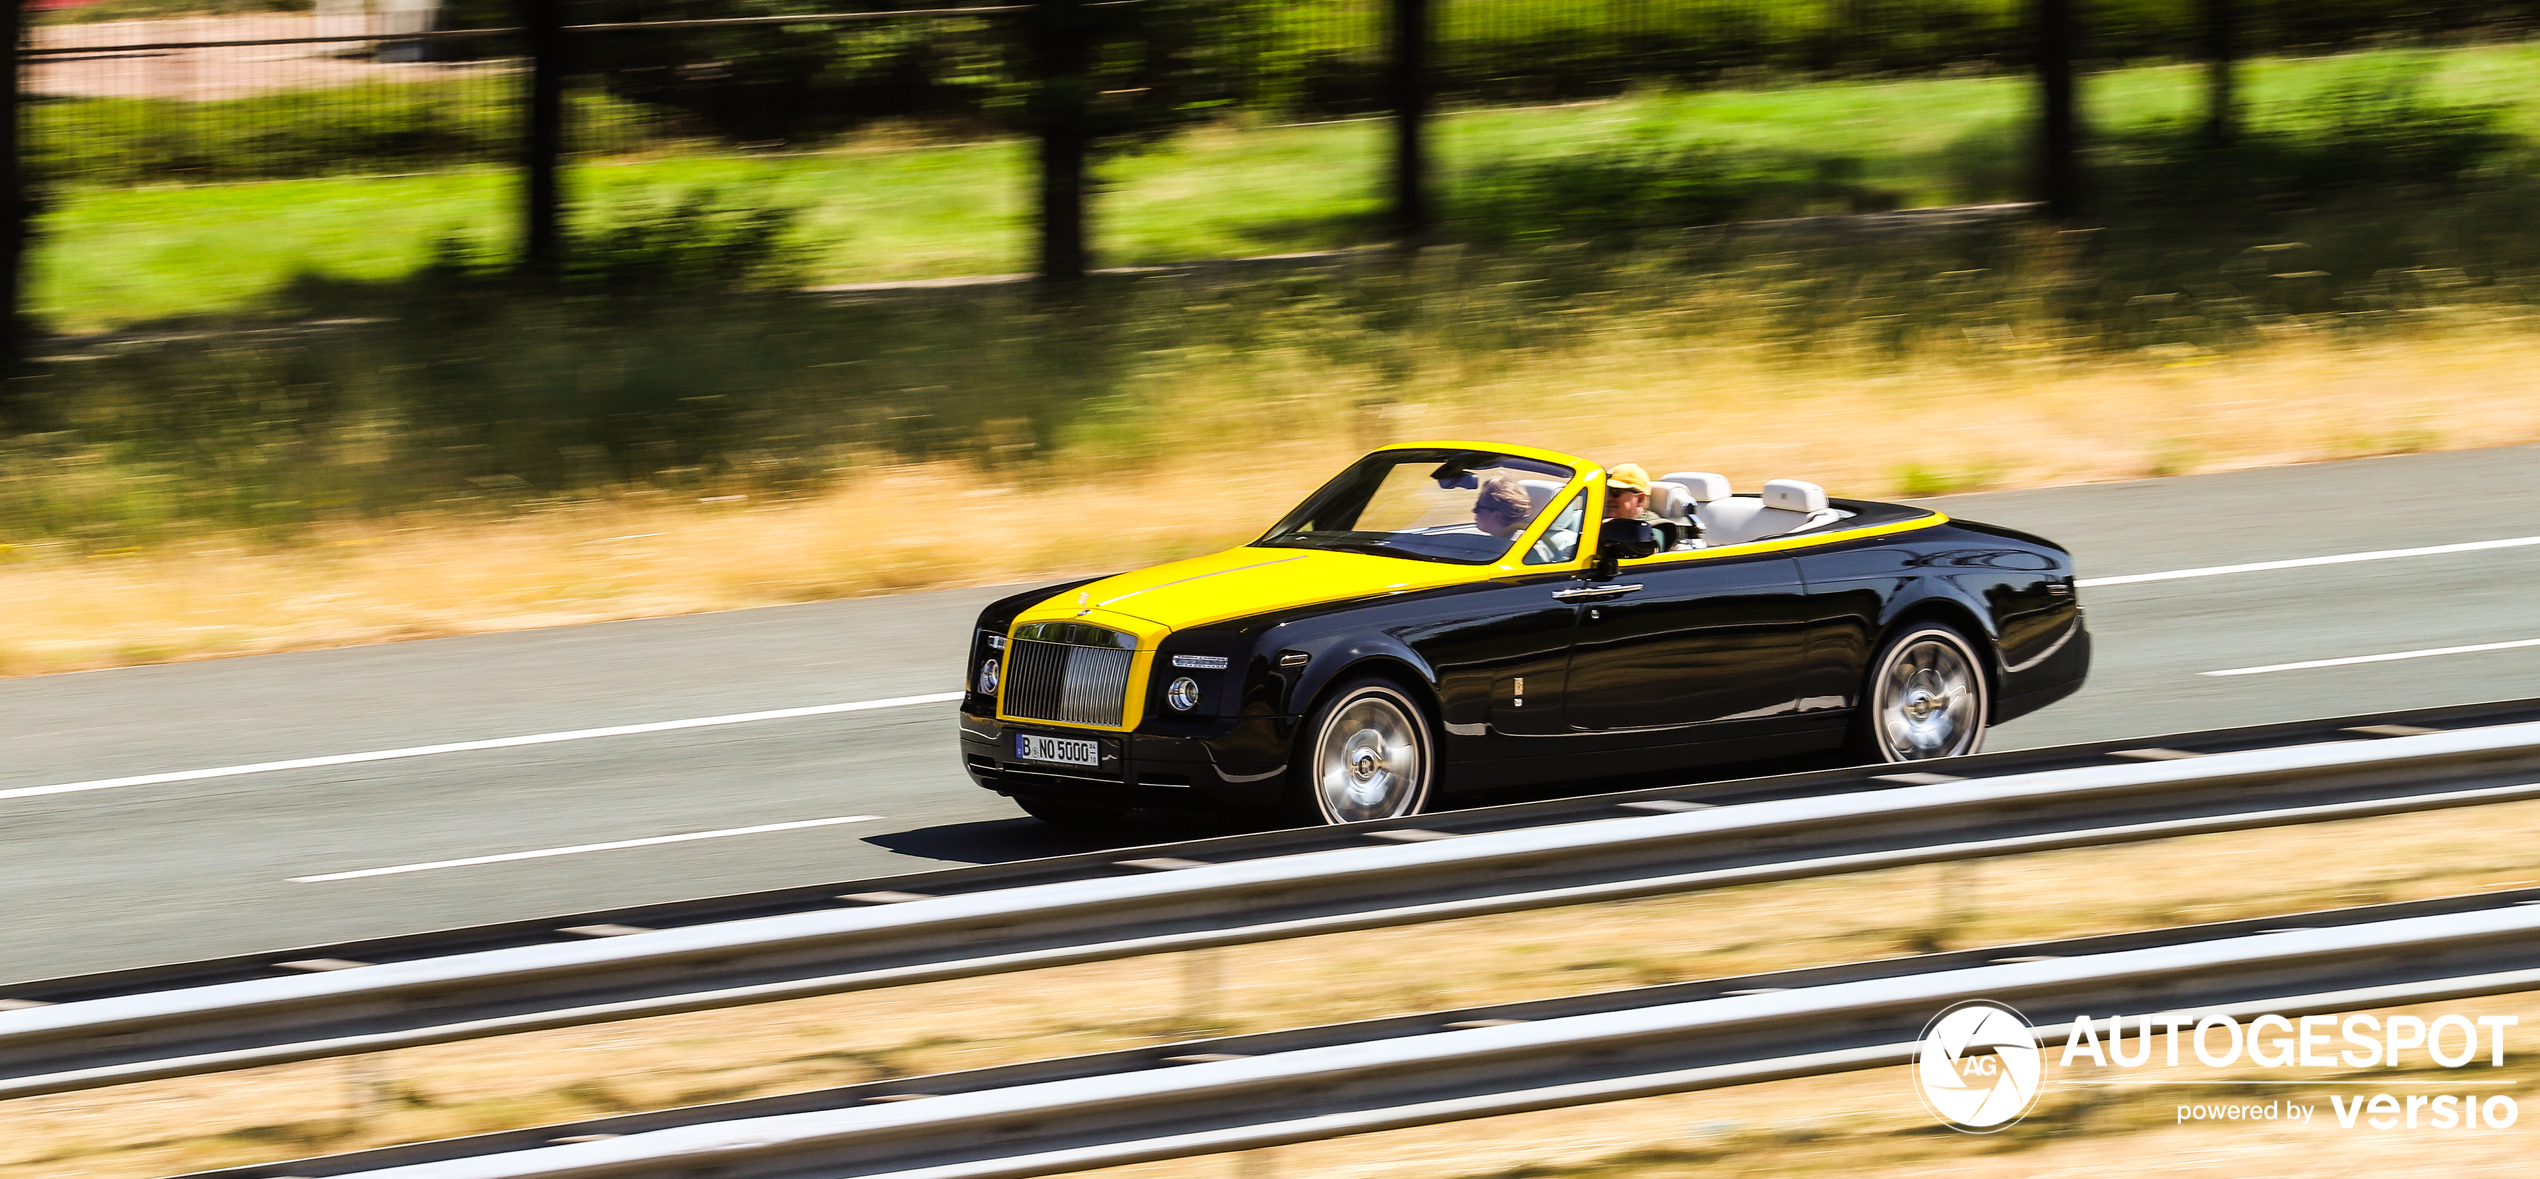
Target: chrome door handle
1590,593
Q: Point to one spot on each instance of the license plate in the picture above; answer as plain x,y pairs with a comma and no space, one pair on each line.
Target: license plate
1057,749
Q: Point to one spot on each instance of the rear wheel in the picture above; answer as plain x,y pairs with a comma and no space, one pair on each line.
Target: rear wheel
1926,697
1069,814
1368,754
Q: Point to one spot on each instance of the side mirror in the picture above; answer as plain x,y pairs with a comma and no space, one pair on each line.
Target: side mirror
1625,539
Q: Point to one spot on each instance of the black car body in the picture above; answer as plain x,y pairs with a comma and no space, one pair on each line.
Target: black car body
1513,672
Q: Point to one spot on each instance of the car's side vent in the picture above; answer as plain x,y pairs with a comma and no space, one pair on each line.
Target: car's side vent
1066,683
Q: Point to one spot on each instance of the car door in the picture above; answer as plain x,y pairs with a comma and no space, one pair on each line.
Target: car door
1709,646
1501,661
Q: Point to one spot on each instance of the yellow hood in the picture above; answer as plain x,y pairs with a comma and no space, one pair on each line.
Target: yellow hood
1242,582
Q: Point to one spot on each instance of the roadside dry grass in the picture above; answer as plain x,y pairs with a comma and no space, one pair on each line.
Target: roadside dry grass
1868,1123
1937,421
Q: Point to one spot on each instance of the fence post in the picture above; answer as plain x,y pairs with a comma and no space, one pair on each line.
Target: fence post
13,234
542,242
2222,51
1411,87
2058,181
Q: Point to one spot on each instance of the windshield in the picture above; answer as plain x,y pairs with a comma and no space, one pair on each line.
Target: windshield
1461,506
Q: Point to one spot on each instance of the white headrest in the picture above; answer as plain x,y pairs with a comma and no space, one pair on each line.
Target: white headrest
1670,499
1791,495
1541,491
1703,486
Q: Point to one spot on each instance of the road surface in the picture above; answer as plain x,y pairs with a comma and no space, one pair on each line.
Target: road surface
100,870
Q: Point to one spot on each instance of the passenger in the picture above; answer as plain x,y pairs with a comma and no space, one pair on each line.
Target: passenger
1502,508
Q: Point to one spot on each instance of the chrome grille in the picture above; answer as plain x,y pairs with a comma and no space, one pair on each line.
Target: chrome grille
1070,684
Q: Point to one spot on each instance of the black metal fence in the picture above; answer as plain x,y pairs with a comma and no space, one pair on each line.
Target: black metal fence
527,83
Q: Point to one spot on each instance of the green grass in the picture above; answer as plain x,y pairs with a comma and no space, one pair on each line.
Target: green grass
879,212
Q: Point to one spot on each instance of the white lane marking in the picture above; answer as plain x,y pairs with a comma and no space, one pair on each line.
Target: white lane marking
343,759
543,853
2375,658
2305,562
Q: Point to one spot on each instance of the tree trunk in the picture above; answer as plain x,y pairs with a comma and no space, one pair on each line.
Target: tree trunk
1062,204
2222,50
1062,56
15,208
2059,129
1410,85
542,201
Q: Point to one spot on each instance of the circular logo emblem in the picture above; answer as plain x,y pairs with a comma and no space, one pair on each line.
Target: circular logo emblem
1980,1068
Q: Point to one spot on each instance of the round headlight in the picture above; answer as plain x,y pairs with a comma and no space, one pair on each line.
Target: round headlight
1182,694
988,678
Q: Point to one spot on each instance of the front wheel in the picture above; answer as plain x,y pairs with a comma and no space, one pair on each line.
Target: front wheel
1926,697
1367,755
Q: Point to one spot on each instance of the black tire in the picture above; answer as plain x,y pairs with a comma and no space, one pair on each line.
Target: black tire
1368,752
1925,697
1074,816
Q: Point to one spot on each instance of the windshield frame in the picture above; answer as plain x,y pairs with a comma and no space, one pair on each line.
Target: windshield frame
1348,493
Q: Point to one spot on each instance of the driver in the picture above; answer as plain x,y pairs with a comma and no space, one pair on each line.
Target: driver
1627,494
1502,508
1627,498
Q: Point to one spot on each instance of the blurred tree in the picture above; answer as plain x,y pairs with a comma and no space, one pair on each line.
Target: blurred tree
761,83
1085,79
1106,78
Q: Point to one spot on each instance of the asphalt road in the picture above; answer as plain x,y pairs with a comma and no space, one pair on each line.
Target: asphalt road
128,874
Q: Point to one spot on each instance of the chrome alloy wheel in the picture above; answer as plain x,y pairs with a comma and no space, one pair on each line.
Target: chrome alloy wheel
1930,698
1371,758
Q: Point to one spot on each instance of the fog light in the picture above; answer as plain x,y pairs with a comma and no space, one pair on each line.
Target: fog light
988,678
1182,694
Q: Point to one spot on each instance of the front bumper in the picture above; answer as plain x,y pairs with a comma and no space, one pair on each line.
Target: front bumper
1226,764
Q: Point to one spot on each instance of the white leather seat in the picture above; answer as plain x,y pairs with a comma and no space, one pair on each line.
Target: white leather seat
1674,502
1704,491
1670,500
1796,496
1725,518
1702,486
1730,521
1791,495
1787,506
1541,492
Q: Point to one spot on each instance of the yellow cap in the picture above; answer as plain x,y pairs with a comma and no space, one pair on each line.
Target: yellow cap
1627,477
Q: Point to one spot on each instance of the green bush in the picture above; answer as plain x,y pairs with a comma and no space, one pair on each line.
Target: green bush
371,128
1611,195
693,246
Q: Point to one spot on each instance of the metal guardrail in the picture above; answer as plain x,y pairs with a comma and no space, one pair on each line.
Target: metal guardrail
1273,1088
1188,904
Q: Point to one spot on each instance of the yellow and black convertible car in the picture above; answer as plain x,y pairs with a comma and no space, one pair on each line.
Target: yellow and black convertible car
1447,617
